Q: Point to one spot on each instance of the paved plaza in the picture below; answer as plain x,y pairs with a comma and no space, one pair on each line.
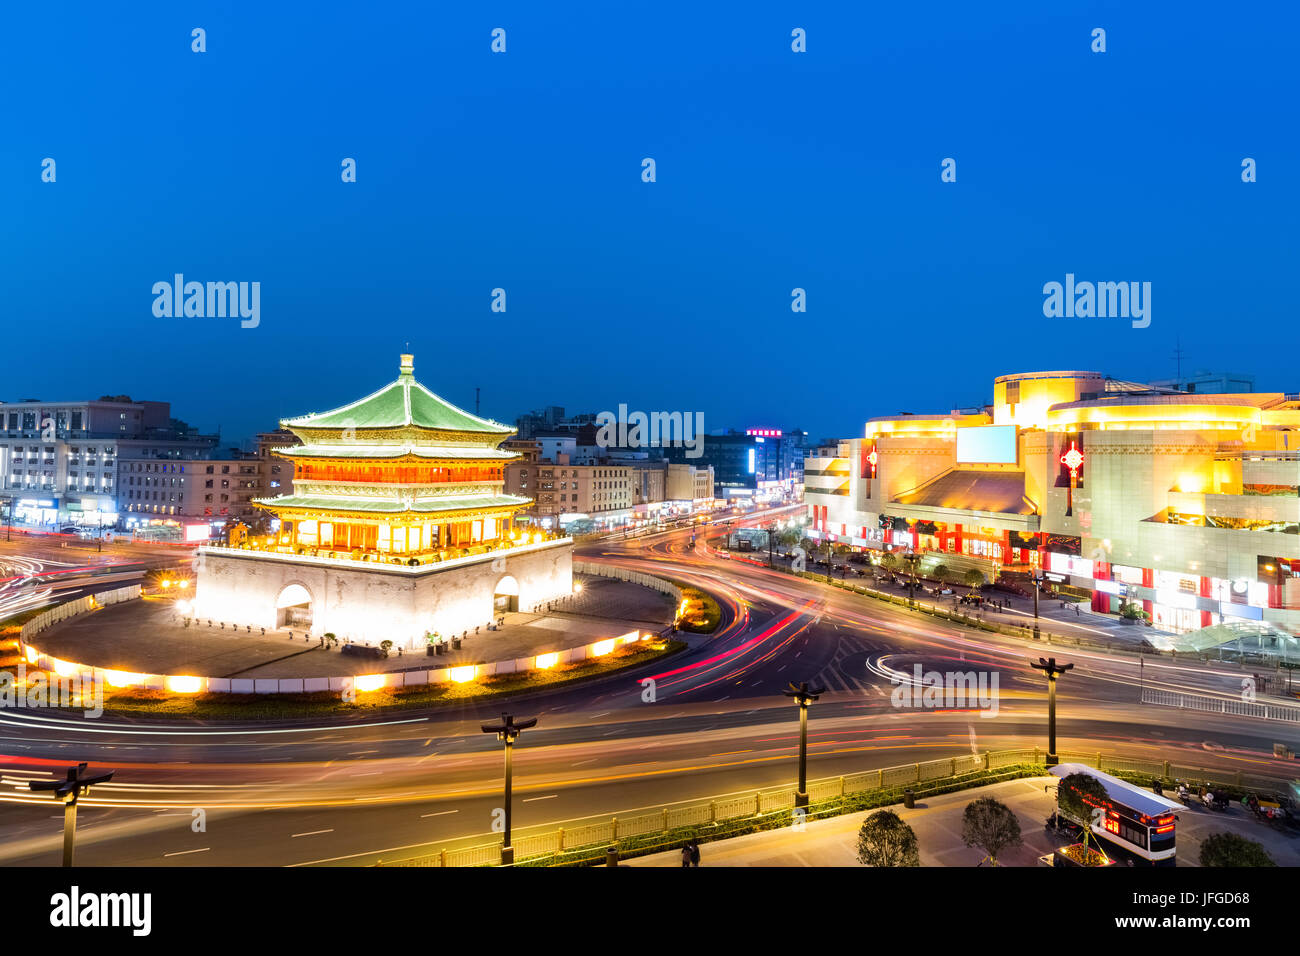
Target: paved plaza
149,637
938,821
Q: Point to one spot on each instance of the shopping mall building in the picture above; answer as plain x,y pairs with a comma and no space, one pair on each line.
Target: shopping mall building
1187,503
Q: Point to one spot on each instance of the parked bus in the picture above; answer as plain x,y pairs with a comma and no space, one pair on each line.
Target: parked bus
1137,823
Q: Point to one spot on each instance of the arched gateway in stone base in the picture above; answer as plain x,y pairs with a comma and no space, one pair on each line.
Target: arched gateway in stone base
398,525
375,602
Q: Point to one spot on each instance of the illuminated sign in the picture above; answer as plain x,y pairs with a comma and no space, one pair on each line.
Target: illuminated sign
763,432
987,445
751,461
1070,564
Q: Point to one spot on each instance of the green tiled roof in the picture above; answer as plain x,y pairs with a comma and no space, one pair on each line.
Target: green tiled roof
393,505
394,451
401,403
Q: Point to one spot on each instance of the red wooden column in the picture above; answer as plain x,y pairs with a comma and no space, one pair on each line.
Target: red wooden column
1206,590
1101,600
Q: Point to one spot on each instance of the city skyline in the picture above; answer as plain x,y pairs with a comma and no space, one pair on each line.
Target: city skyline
931,404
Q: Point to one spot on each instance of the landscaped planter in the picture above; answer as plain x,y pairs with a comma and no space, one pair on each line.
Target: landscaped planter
1076,854
360,650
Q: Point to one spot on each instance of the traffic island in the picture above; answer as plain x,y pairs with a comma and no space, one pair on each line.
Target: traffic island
148,656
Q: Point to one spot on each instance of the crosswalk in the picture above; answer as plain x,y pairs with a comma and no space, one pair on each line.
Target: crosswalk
847,670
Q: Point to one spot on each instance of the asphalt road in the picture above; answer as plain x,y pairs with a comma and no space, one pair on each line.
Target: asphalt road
355,791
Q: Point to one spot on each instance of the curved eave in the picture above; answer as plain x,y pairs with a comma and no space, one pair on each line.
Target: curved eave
498,507
398,434
400,455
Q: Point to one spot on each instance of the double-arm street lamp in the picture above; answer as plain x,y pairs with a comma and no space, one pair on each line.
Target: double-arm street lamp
803,695
76,784
508,731
1053,670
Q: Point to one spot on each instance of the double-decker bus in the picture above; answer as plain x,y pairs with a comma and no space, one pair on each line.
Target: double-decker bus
1137,823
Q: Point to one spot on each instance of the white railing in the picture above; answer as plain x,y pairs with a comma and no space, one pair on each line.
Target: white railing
1221,705
400,567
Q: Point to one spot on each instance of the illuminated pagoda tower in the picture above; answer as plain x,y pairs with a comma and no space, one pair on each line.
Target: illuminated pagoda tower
398,473
398,526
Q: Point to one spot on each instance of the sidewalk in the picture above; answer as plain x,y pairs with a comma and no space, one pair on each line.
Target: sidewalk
1065,621
937,822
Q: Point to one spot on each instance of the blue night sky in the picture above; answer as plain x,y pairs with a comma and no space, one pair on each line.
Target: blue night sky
775,170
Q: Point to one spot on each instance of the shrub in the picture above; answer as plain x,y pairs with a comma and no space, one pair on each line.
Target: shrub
885,840
990,825
1231,849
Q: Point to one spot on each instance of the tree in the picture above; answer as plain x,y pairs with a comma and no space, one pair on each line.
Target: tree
1079,796
940,572
1231,849
973,579
385,646
889,560
885,840
991,826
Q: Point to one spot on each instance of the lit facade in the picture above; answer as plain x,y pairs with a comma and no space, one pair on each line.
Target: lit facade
398,524
1186,503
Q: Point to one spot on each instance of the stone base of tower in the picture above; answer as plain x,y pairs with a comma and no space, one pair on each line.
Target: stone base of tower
372,602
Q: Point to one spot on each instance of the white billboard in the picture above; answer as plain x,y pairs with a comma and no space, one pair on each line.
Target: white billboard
987,445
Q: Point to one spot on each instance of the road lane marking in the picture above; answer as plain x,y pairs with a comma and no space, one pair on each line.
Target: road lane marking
183,852
549,796
313,833
440,813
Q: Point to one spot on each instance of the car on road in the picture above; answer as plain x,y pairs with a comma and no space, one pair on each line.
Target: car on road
69,529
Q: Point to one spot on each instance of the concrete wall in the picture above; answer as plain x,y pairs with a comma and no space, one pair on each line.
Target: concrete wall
369,603
73,608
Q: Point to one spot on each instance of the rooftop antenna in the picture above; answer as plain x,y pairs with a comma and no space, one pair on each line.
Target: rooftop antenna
1178,360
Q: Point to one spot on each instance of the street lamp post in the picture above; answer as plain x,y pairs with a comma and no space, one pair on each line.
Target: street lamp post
508,731
1036,576
68,791
802,695
911,557
1053,670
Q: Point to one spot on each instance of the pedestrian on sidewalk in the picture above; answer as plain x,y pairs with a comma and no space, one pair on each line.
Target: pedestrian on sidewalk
695,853
686,855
